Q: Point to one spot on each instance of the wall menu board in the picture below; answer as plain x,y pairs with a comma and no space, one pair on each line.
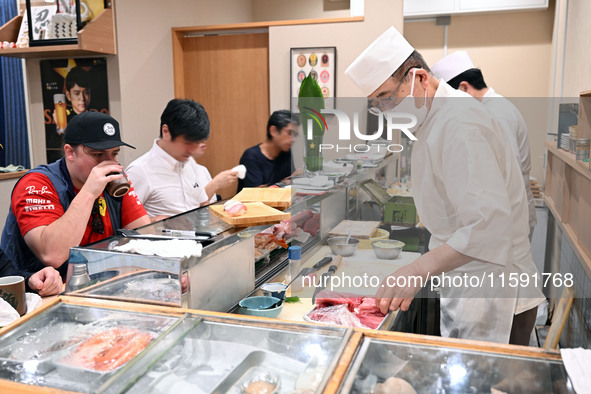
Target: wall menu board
320,62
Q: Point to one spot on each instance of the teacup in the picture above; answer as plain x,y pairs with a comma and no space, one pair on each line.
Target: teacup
12,290
118,187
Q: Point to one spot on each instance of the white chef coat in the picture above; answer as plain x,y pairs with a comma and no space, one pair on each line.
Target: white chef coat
167,186
469,194
516,130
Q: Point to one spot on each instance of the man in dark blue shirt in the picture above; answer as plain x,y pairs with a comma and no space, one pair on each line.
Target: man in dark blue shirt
270,162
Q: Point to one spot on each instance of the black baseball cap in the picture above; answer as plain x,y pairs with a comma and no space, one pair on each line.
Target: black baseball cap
95,130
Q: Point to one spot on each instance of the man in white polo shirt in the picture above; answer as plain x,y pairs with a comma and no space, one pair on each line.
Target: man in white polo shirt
167,179
459,72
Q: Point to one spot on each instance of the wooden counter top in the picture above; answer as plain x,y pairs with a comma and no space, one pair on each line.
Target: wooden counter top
12,175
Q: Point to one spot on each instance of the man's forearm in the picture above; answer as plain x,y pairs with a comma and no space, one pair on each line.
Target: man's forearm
52,243
444,258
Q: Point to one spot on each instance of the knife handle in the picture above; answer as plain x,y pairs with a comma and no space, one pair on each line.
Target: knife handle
337,261
322,263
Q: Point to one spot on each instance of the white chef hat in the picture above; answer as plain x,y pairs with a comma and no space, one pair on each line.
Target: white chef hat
379,60
452,65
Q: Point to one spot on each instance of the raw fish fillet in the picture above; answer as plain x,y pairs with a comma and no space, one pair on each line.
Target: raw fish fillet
336,314
326,298
364,309
109,349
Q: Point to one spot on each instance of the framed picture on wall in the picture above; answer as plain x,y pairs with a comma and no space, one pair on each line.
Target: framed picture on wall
320,62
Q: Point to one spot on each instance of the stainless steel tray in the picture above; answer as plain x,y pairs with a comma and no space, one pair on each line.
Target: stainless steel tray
257,365
157,287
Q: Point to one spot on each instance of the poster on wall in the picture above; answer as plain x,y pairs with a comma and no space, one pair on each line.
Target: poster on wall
320,62
70,87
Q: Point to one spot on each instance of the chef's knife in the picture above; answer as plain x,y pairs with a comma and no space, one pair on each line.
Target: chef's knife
314,268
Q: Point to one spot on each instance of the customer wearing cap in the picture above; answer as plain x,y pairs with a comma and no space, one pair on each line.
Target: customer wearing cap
469,194
459,72
167,178
61,205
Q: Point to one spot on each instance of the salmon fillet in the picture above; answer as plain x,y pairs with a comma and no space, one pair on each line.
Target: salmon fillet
109,349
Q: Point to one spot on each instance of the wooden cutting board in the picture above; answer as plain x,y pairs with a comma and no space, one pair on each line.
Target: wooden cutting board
256,214
359,229
275,197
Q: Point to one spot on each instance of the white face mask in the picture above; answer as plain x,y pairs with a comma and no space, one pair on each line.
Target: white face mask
408,106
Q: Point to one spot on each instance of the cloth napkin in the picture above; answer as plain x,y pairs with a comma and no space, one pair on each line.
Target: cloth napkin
576,362
169,248
11,168
8,314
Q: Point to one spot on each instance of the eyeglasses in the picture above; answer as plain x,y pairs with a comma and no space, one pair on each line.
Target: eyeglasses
97,224
385,104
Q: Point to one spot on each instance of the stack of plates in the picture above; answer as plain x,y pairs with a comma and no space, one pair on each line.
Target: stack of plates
314,184
564,141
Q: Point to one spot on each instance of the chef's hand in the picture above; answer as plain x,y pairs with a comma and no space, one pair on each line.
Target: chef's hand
99,177
46,282
390,297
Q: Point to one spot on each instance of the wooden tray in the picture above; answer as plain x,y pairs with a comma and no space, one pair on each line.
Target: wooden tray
257,213
275,197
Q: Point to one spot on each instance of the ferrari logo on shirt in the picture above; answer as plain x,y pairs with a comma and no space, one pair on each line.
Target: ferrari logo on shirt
102,206
312,145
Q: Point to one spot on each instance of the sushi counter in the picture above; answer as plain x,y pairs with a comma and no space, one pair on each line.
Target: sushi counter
146,312
88,345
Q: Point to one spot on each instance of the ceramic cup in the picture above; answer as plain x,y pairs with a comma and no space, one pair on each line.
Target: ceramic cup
12,290
276,290
118,187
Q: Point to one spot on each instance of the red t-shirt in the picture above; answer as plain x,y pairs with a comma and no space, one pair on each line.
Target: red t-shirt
35,203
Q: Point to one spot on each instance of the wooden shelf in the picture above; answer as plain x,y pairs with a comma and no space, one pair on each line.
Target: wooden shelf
97,38
12,175
569,158
568,195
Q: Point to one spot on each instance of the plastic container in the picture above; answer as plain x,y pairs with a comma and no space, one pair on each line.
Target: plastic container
295,262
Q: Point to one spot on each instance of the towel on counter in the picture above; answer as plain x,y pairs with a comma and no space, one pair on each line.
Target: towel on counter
8,314
169,248
576,362
12,168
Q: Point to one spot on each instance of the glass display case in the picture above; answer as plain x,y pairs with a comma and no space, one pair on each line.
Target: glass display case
382,365
169,351
199,281
75,347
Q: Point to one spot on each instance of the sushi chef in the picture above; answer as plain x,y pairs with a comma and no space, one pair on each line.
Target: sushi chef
459,72
469,194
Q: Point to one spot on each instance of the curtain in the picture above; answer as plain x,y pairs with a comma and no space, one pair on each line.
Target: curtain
16,142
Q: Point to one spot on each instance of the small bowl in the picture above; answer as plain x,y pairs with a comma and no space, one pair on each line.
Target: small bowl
339,247
276,290
380,233
257,306
388,249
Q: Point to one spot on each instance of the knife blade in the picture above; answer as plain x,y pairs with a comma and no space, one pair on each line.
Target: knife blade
323,279
314,268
